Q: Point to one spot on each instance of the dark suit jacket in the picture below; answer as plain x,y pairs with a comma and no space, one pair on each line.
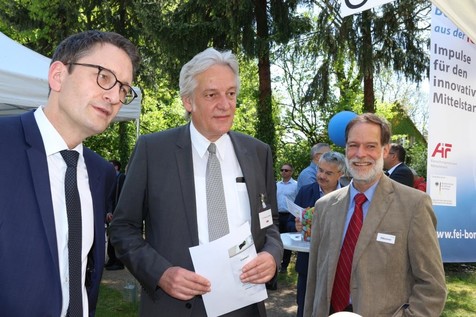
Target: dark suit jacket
29,271
160,189
388,272
402,174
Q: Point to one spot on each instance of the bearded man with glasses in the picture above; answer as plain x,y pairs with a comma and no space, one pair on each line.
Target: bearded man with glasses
54,192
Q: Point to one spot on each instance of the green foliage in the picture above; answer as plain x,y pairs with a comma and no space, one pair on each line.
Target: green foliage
179,30
393,36
108,144
405,133
323,62
417,154
294,152
246,116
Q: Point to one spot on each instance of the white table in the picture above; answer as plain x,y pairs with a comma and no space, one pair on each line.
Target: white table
293,241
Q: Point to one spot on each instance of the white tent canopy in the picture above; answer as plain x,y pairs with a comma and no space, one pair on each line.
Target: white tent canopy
24,81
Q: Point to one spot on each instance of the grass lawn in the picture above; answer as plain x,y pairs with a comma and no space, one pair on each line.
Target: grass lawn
461,284
460,281
111,303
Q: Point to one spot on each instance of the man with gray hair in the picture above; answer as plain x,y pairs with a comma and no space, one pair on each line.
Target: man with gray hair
179,213
308,175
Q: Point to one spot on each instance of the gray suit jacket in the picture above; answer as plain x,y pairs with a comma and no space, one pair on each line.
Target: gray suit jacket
386,277
159,189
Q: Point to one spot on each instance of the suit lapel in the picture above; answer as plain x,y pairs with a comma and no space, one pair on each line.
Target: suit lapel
184,160
95,177
339,208
41,180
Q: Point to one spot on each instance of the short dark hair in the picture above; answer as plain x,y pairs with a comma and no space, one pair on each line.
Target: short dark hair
288,164
116,164
372,118
78,45
399,150
316,147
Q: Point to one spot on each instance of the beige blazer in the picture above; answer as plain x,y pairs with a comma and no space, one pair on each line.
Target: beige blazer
400,278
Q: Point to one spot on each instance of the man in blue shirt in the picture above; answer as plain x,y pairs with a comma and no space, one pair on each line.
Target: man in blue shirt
286,188
308,175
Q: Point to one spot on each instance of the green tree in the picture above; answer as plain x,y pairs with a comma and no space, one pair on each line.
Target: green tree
393,36
181,29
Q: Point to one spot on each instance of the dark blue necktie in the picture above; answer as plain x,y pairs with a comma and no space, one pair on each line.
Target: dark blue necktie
73,210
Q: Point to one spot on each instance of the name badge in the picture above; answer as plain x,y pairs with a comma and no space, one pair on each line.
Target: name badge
386,238
265,218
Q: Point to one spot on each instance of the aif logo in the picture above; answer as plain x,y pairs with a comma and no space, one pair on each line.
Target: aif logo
442,149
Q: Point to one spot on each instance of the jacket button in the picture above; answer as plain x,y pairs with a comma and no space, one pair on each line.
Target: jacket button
188,305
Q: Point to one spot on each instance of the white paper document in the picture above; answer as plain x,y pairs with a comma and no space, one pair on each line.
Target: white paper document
294,209
220,261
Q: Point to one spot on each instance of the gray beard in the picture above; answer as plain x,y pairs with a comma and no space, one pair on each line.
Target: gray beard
370,176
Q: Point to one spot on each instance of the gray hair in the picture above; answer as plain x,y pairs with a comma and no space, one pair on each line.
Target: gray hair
200,63
316,147
335,158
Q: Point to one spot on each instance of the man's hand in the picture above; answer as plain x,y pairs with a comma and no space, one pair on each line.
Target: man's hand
183,284
259,270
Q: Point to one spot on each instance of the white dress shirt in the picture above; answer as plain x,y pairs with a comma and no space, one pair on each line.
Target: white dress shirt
236,194
54,143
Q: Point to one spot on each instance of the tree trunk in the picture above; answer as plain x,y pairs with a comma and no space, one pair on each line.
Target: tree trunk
367,63
265,130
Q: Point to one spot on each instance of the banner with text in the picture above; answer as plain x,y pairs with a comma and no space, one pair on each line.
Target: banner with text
349,7
452,138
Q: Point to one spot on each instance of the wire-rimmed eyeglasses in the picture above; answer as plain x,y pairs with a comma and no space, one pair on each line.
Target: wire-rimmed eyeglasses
106,79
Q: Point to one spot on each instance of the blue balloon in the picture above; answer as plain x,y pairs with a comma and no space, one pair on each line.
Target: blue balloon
337,125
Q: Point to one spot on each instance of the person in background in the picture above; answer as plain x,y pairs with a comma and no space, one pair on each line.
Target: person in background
330,170
308,175
395,167
396,269
52,212
286,189
113,263
177,213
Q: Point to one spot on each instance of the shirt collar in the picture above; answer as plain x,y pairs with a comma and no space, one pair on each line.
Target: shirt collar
369,193
390,171
52,140
201,143
321,193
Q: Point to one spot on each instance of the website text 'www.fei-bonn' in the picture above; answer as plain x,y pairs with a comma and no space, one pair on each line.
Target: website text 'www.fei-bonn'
456,234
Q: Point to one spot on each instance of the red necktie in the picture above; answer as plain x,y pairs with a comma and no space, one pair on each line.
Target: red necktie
341,290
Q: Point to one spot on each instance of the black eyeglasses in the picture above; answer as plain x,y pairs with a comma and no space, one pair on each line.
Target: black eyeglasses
107,80
285,170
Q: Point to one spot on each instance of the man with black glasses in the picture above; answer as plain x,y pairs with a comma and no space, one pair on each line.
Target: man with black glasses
286,188
54,191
